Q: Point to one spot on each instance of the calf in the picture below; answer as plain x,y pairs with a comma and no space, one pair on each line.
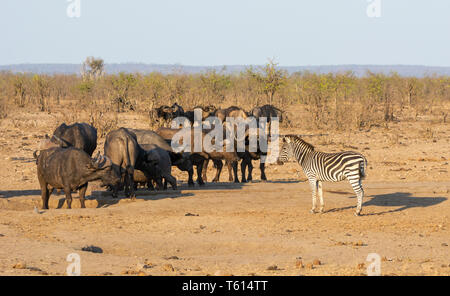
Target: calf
164,164
181,160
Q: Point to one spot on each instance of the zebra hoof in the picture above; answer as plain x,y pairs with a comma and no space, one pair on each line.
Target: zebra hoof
321,211
357,214
312,211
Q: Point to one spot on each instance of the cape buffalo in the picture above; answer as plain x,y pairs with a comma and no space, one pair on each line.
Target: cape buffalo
200,158
164,164
79,135
71,169
181,160
126,154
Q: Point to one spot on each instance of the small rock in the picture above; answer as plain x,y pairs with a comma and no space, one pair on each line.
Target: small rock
444,244
2,235
92,249
190,214
168,267
20,265
107,273
272,267
172,258
317,262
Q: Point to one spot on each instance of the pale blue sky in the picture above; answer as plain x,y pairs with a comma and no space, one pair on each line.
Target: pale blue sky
212,32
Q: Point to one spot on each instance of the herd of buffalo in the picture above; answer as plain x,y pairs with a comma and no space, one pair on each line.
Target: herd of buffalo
136,157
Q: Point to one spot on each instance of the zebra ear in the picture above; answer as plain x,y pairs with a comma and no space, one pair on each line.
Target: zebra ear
286,140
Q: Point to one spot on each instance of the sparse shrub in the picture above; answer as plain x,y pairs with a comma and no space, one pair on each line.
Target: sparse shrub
3,110
41,91
326,101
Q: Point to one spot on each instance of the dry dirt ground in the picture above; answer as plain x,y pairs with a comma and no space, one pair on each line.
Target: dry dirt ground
238,229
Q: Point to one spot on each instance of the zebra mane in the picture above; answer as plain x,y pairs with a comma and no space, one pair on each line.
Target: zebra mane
298,140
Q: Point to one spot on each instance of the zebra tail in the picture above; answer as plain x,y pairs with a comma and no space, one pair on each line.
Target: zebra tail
362,168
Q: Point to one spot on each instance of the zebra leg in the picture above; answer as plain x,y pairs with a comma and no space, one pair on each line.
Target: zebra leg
357,187
319,189
313,184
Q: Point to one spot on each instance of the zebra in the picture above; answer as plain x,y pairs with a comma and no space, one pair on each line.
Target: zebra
320,166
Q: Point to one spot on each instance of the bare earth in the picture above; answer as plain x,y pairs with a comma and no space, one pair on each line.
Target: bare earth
238,229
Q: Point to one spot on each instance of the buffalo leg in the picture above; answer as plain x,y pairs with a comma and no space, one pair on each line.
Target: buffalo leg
82,194
173,182
129,187
250,170
263,174
45,195
205,170
190,177
199,173
230,171
219,165
234,165
68,193
246,162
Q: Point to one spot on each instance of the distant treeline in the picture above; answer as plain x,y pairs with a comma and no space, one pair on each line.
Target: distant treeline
115,68
332,101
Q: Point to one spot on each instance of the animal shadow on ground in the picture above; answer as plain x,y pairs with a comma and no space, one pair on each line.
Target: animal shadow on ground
24,159
18,193
104,200
402,200
281,181
214,186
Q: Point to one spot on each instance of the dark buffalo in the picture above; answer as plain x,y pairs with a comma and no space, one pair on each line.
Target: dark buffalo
206,111
181,160
165,114
71,169
199,159
150,137
163,167
79,135
267,111
145,179
233,111
126,154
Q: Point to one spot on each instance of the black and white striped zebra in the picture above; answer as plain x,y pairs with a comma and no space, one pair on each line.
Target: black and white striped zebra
320,166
